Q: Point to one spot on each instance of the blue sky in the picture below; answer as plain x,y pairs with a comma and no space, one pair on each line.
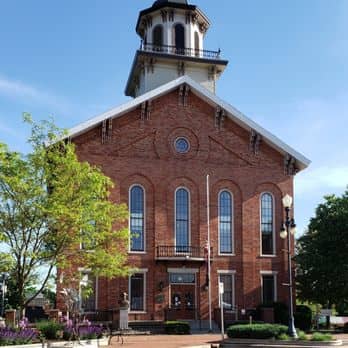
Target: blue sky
288,72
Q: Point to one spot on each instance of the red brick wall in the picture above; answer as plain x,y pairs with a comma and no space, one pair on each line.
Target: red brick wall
142,152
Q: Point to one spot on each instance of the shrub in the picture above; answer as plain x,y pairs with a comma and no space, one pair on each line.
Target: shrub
10,336
262,331
318,336
302,336
246,322
177,328
303,317
90,332
283,337
49,329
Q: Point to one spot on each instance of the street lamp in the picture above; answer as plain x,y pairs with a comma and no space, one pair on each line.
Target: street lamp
3,279
288,229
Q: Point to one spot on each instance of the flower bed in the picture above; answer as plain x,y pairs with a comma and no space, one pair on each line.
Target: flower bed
10,336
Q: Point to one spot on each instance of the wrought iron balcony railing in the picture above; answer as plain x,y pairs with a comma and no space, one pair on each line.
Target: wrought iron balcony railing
166,252
188,52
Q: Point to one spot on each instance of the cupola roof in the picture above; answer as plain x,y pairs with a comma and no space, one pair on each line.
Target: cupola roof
174,4
158,2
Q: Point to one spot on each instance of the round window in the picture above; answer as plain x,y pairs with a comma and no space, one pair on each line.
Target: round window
182,145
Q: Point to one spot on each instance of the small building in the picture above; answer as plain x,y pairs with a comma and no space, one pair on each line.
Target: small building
159,148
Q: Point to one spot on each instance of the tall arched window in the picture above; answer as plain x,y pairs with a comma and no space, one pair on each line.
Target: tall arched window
267,224
179,38
225,222
196,44
182,220
157,37
136,216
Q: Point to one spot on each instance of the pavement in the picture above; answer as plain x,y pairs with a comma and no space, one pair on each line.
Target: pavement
180,341
167,341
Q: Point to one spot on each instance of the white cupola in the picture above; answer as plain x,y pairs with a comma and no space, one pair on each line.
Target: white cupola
172,44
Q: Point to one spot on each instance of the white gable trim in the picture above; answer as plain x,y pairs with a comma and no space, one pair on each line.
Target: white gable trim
234,114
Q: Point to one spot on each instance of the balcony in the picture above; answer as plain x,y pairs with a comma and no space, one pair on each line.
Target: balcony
186,52
181,253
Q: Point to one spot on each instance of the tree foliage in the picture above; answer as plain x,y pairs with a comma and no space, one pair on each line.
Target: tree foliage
50,204
322,254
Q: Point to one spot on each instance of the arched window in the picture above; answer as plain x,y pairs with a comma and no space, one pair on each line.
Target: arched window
136,217
157,37
179,38
267,224
182,220
196,44
225,222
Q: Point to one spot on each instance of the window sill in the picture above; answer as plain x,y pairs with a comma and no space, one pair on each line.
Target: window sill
224,255
137,252
271,256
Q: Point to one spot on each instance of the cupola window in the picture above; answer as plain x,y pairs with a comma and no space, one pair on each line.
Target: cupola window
157,38
196,44
179,38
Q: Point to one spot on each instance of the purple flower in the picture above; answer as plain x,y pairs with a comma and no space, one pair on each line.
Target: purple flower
11,336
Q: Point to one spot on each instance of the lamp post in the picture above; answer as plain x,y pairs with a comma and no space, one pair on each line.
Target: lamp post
288,229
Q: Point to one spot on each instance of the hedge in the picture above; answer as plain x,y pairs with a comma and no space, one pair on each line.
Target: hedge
259,331
176,328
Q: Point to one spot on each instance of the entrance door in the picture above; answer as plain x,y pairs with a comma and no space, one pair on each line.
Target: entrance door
183,301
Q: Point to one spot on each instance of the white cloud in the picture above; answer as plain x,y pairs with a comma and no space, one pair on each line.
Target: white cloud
19,90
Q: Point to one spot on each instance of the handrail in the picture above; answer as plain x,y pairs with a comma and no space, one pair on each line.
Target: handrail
169,251
187,52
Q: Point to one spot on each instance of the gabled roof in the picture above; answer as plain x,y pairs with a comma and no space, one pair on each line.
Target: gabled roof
234,114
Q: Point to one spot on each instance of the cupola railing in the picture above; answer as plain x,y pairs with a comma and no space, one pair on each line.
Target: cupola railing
187,52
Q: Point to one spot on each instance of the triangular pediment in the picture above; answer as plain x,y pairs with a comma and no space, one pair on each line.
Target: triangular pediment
232,113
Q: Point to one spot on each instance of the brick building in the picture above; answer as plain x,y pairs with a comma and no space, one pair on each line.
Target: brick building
158,149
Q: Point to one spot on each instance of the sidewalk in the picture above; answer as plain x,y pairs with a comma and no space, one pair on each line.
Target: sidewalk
167,341
178,341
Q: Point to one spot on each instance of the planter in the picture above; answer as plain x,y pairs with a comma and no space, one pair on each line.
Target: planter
231,342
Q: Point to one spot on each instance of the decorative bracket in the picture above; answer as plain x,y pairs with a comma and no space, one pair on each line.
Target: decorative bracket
183,94
150,65
171,15
290,165
212,71
203,28
220,115
255,140
181,68
106,134
164,15
146,109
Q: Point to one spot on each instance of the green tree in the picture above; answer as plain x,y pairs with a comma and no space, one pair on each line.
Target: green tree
50,204
322,254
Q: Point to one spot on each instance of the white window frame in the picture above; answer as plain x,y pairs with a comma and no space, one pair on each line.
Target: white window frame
144,272
130,251
233,274
232,253
275,283
274,253
189,215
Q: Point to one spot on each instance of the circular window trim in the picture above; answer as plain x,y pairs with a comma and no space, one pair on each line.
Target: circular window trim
188,145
